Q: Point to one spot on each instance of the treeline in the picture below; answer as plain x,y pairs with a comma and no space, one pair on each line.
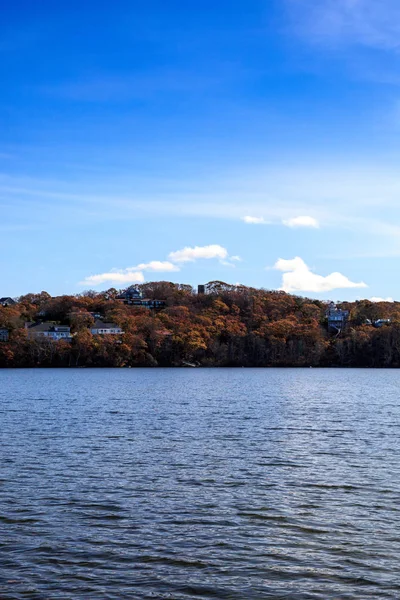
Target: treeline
227,326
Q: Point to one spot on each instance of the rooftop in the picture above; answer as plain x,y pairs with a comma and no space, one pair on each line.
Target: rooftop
101,325
7,300
48,327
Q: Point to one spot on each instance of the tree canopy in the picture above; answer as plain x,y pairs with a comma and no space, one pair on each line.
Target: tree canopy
227,326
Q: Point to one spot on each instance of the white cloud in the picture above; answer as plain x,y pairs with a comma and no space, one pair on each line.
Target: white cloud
135,274
255,220
297,277
158,266
303,221
350,197
346,195
130,274
114,278
236,258
377,299
191,254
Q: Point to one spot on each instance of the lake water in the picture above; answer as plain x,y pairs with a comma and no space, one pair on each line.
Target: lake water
214,483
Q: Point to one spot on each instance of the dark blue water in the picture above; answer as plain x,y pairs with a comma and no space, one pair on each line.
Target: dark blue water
224,483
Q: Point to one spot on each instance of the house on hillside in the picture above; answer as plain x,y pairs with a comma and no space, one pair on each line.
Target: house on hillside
337,318
134,297
378,323
4,334
48,331
102,328
7,301
131,296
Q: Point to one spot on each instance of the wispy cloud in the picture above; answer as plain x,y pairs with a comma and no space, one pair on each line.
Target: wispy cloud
361,199
298,277
371,23
11,228
108,87
231,261
301,222
226,263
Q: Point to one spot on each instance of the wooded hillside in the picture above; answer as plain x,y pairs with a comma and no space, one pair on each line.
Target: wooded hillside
227,326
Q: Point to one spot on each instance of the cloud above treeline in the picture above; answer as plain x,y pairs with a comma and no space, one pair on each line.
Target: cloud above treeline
115,277
177,259
298,277
379,299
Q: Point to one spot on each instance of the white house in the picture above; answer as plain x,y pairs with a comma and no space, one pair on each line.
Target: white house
101,328
49,331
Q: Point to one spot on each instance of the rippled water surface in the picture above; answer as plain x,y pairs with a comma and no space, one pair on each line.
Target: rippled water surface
214,483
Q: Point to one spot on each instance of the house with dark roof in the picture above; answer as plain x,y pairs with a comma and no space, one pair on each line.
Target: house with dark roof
102,328
337,318
7,301
134,297
49,331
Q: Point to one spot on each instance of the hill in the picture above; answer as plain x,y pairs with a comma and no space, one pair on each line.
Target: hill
226,326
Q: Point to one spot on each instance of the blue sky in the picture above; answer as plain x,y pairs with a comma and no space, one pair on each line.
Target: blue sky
254,142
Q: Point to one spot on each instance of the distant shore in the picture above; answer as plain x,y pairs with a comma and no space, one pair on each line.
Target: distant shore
162,324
